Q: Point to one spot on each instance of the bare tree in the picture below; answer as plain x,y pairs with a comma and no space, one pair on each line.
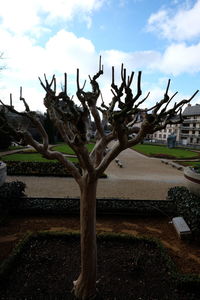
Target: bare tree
73,123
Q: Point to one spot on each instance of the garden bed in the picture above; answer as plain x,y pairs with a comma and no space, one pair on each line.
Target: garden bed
127,268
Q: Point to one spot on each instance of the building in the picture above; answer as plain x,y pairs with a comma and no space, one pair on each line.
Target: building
162,136
190,128
187,133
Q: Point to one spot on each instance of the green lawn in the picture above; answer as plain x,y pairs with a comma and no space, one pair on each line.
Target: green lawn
153,150
15,148
30,157
66,149
190,163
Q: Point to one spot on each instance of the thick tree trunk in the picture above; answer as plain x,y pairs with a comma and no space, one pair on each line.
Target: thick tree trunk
85,285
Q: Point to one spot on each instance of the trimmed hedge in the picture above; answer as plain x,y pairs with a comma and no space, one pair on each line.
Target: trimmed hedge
11,194
37,168
55,169
104,206
188,206
12,189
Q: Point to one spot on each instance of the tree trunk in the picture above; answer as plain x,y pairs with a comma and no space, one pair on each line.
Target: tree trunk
85,285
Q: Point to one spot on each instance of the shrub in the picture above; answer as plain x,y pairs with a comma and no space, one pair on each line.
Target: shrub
10,194
188,206
36,168
39,169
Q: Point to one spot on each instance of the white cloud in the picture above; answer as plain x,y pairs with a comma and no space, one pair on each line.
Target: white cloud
64,52
19,16
26,16
179,58
132,60
183,25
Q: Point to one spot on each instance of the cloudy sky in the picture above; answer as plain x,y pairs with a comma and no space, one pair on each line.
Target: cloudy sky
159,37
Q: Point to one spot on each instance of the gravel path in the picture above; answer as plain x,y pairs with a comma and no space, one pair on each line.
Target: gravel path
140,178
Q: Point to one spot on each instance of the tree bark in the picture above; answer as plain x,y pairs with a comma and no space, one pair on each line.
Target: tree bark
85,285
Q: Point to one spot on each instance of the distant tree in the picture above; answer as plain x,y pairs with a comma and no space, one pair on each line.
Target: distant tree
73,123
50,129
5,138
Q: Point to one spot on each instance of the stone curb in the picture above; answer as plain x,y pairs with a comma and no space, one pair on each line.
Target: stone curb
173,164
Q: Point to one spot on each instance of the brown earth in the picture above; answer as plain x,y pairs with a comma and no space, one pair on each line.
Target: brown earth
47,267
185,254
120,270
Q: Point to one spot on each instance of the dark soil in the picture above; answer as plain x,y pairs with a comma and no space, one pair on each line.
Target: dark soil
126,270
49,267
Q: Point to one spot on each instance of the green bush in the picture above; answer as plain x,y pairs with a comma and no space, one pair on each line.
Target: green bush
39,169
10,194
36,168
188,206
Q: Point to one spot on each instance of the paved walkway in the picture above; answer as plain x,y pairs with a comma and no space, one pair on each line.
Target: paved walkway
140,178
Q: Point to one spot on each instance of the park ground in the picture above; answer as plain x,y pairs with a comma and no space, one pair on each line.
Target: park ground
141,178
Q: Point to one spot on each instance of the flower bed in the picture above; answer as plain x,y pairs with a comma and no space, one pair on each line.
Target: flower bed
127,269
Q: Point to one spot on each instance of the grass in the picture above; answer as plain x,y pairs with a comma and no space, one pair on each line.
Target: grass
190,163
15,148
153,150
67,150
30,157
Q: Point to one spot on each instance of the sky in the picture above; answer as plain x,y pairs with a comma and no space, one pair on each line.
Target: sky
159,37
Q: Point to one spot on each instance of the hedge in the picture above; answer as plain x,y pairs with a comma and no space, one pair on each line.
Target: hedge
11,194
188,206
40,169
37,168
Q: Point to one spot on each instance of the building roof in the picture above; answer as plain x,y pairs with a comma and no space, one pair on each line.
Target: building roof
192,110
